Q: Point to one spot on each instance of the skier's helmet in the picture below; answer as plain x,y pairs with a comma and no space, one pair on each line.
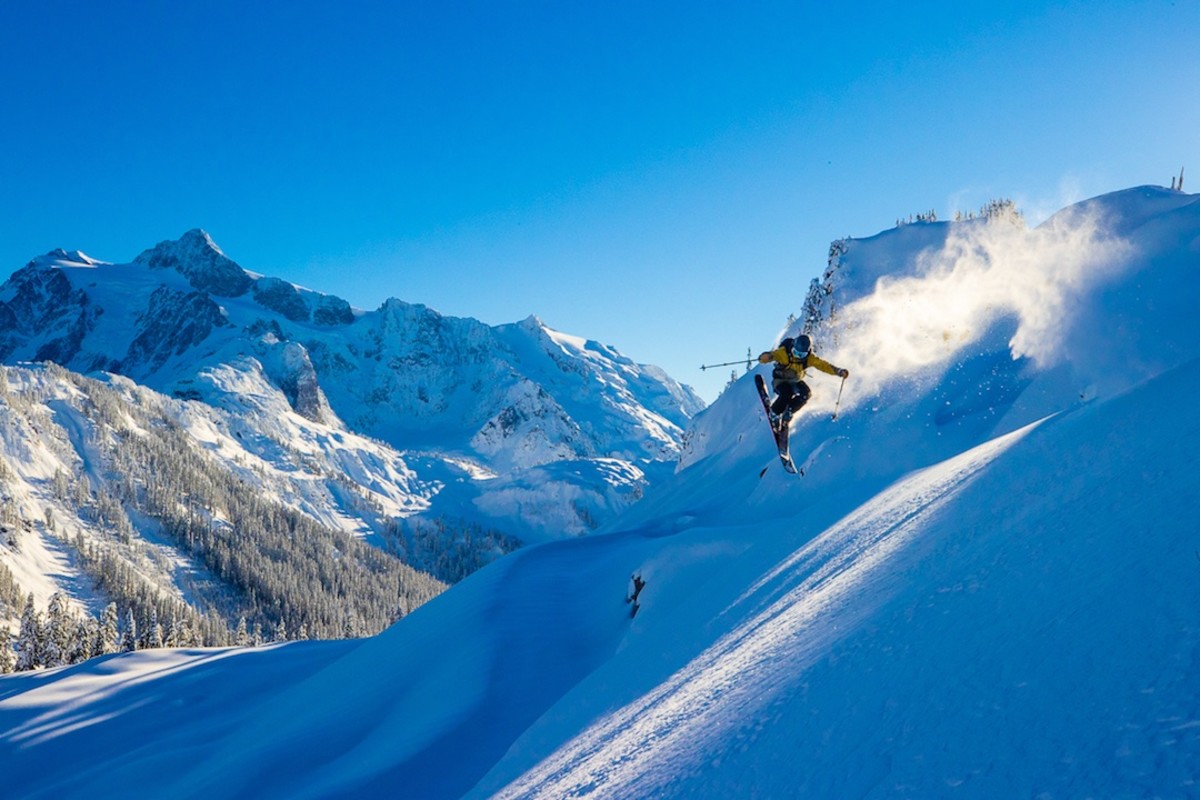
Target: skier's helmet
801,346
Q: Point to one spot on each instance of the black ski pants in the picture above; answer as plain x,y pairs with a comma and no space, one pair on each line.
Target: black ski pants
791,397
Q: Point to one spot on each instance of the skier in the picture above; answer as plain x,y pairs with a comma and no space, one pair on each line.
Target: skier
791,359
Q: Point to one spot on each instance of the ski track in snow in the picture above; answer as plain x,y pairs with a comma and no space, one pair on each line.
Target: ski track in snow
638,750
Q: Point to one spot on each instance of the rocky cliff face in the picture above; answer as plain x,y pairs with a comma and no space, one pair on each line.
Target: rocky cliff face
42,316
173,323
195,256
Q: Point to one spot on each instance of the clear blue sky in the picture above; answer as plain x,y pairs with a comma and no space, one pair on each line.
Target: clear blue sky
663,177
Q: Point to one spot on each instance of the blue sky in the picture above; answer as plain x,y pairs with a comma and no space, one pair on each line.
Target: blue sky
662,177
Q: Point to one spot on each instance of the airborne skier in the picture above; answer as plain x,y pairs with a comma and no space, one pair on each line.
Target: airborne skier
791,359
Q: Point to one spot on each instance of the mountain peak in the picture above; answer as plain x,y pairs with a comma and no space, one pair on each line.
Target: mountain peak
198,237
196,256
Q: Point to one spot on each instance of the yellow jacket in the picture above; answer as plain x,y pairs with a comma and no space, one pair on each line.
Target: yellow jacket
787,366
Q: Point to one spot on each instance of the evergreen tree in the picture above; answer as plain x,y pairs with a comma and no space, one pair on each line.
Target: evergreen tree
241,637
59,632
109,640
153,638
87,633
10,593
129,638
29,640
8,658
187,634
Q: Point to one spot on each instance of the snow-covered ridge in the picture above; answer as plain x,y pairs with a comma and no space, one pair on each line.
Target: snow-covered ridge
403,373
980,327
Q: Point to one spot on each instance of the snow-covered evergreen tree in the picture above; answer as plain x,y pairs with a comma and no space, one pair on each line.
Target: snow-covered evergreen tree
188,637
83,644
1004,210
153,636
59,632
29,640
10,593
129,637
8,658
109,640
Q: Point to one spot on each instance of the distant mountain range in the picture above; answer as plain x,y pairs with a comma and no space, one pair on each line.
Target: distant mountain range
443,441
514,395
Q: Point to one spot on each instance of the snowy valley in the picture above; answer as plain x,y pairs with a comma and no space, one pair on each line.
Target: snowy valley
985,584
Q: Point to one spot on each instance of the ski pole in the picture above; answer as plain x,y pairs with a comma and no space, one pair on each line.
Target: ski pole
726,364
838,404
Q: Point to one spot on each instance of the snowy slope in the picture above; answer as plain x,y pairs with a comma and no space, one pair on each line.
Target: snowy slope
83,461
984,586
957,332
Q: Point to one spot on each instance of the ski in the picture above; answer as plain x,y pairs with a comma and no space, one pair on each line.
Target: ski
780,434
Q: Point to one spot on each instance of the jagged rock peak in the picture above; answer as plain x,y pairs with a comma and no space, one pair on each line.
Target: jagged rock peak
398,315
194,241
196,256
394,305
537,330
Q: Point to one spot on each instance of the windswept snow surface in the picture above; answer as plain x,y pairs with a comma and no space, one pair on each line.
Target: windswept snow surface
985,586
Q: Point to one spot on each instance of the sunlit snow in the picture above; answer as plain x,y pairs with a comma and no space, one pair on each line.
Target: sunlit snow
985,585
